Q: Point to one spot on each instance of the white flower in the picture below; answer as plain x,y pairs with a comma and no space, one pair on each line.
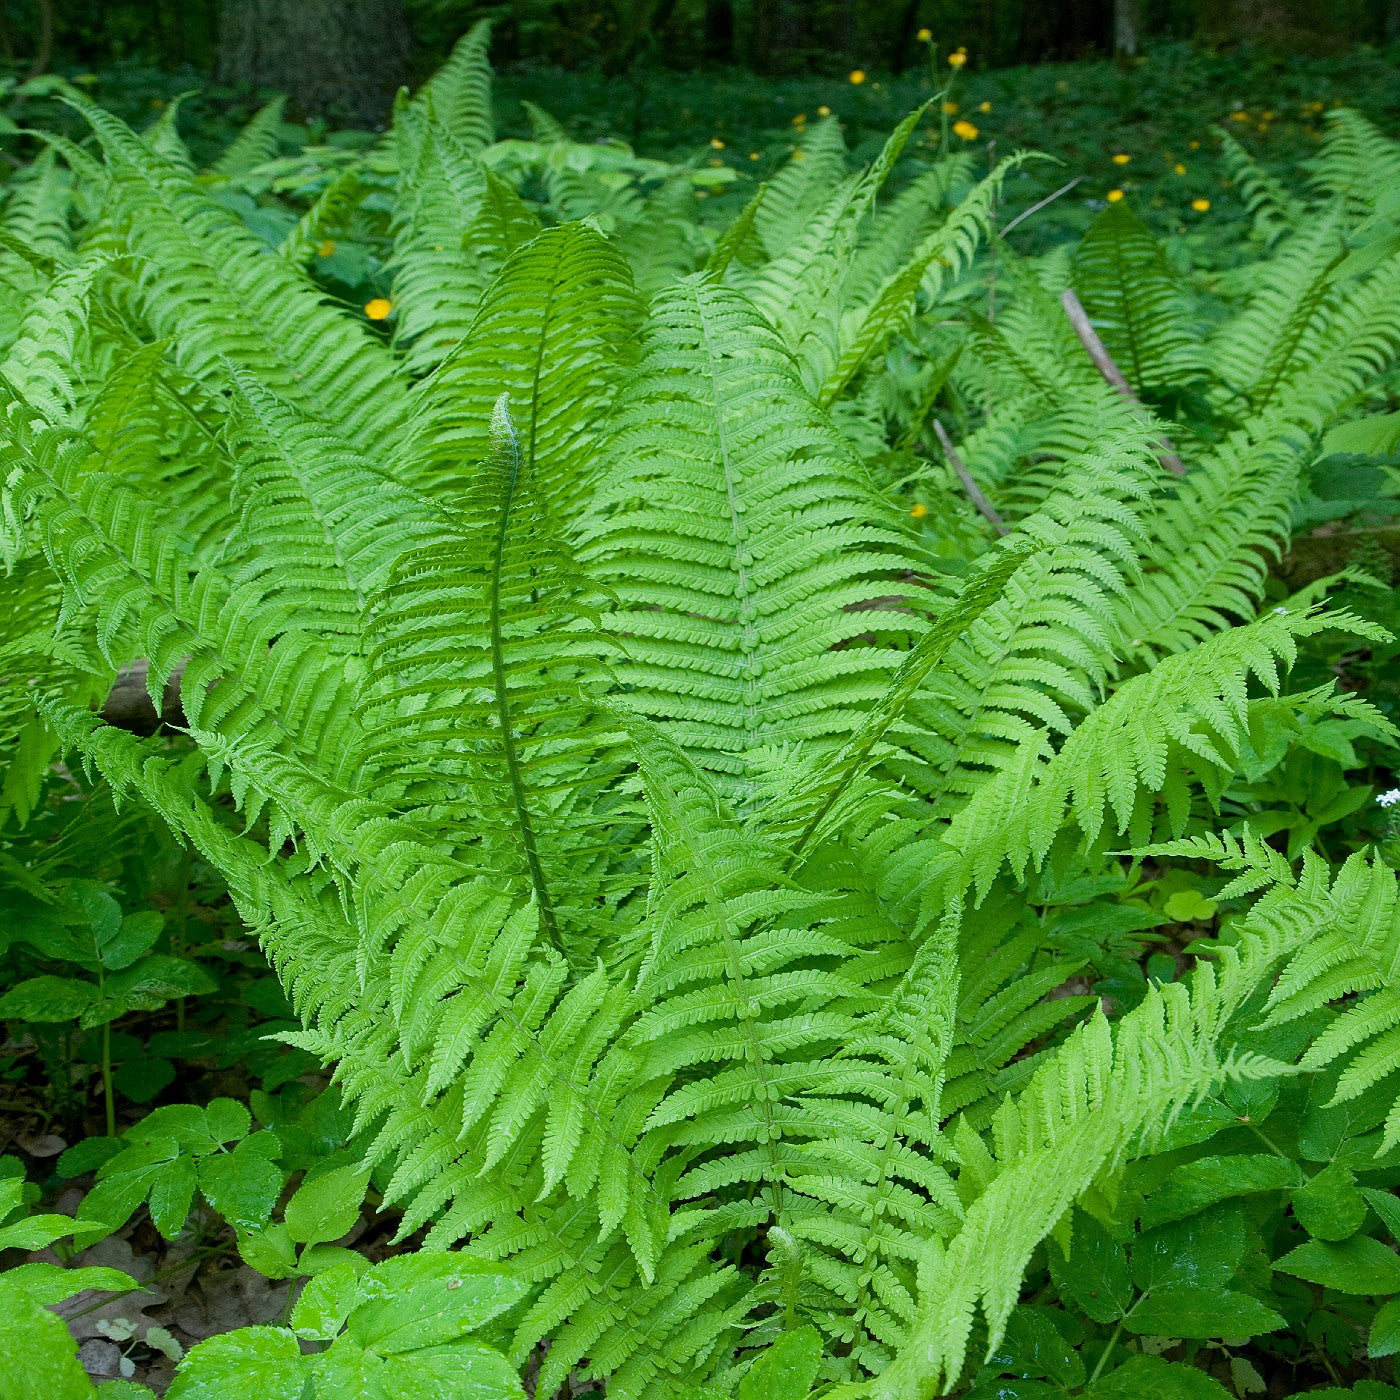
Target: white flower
1388,799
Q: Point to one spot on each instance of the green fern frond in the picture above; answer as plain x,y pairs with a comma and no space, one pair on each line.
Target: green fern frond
1120,273
554,332
745,551
481,662
256,144
459,93
1274,210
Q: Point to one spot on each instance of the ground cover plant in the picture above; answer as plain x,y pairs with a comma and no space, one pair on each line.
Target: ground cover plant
802,845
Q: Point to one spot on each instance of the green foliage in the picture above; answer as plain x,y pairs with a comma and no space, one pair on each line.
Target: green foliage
763,926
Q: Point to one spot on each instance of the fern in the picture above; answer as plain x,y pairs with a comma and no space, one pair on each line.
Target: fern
658,832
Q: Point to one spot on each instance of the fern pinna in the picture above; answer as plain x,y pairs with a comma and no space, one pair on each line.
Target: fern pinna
640,810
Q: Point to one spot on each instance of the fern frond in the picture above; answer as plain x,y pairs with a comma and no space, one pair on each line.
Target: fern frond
256,144
1120,273
741,543
554,332
1274,210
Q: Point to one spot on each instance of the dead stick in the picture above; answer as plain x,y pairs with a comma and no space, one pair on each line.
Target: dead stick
1103,362
965,476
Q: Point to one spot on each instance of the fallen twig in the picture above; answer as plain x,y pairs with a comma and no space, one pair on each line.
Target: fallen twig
1104,363
969,485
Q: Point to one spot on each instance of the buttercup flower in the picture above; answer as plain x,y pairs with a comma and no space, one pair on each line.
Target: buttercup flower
985,107
1200,205
1122,158
753,155
823,111
800,119
1179,168
957,58
921,510
857,76
716,143
378,308
325,248
965,129
1114,196
924,35
950,107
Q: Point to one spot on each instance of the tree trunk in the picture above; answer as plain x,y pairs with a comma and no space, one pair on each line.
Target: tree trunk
339,59
1127,27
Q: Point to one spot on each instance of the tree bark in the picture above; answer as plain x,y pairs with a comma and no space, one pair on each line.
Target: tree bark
338,59
1127,27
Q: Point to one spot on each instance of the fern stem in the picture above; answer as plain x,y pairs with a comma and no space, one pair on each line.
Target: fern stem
509,441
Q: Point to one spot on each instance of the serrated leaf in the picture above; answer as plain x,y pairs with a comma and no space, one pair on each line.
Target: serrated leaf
786,1370
1357,1265
1192,1310
325,1207
265,1362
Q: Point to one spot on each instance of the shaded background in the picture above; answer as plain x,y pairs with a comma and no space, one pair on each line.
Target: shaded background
345,58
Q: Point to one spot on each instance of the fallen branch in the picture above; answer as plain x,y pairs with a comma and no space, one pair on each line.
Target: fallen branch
128,704
1104,363
969,485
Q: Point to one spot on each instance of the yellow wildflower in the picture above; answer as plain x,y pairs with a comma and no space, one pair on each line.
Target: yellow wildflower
800,119
985,107
950,107
1179,168
1114,196
1121,158
957,58
919,511
1200,205
965,129
716,144
1239,116
823,111
924,35
378,308
753,155
716,162
1195,145
325,248
857,76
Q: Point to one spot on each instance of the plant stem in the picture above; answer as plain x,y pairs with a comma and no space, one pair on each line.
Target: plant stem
1107,1352
107,1079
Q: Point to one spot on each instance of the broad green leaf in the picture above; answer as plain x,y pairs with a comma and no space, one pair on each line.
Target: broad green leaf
1357,1265
1387,1207
1034,1346
260,1362
1330,1207
172,1195
88,1155
1196,1185
146,986
35,1232
227,1119
243,1185
123,1390
1375,436
326,1302
1203,1251
423,1300
1151,1378
786,1370
38,1356
325,1207
50,1283
1384,1336
272,1252
132,937
1192,1310
47,999
464,1370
